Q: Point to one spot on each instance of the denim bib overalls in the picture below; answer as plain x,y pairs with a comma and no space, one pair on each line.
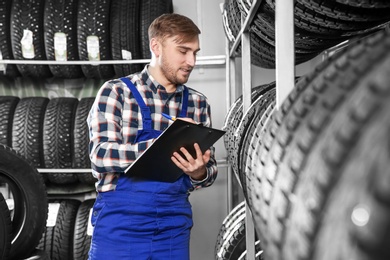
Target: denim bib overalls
143,219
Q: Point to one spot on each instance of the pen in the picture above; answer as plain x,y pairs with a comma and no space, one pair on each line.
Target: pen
168,116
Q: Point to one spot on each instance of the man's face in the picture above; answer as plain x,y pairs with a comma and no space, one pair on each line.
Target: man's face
178,59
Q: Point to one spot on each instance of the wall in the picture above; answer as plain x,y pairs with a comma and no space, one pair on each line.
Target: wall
210,204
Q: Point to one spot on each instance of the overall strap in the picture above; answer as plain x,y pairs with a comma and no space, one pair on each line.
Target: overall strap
145,111
184,105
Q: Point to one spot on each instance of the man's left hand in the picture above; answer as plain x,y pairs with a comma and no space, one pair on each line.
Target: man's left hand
193,167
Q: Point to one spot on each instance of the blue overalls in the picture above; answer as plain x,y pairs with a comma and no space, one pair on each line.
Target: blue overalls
143,219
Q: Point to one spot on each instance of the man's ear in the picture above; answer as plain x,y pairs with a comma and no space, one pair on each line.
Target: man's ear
155,46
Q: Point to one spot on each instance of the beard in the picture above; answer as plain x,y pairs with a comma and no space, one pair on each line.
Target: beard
173,75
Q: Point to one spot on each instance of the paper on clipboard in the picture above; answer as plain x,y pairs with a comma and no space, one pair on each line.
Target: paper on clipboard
156,164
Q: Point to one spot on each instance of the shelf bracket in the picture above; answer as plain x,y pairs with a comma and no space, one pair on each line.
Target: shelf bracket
285,50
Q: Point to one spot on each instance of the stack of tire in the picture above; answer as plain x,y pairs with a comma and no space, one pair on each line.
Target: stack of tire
42,132
318,25
317,168
76,30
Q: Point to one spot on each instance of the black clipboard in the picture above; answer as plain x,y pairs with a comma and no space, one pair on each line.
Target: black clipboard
156,164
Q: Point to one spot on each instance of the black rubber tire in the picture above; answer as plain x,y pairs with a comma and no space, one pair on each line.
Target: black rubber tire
30,201
150,10
251,159
81,240
38,255
61,16
233,243
332,9
57,241
58,138
5,229
232,121
125,34
7,110
366,3
27,129
29,15
325,156
264,27
258,252
81,141
93,19
248,125
5,36
226,225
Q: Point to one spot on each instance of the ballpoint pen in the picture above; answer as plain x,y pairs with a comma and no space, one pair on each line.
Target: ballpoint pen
168,117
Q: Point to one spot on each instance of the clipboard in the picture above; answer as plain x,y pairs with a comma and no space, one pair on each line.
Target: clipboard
155,162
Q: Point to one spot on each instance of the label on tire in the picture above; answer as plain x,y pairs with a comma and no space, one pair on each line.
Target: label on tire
28,51
90,227
54,208
93,48
60,46
126,55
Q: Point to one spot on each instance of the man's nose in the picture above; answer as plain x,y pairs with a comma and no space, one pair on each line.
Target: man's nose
191,59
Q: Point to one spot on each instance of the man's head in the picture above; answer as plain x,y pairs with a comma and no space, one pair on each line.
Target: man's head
174,42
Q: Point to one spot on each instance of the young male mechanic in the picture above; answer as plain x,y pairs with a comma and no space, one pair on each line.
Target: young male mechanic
138,218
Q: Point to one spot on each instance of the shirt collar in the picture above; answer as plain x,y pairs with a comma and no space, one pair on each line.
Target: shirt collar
153,84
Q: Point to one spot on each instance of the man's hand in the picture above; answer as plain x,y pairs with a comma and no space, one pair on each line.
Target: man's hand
193,167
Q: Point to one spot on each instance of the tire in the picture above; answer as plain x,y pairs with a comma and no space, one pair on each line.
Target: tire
327,159
332,9
29,15
30,201
57,240
61,16
81,141
247,126
5,35
366,3
93,19
233,242
7,110
38,255
5,230
251,159
226,225
82,240
125,36
258,252
58,138
27,129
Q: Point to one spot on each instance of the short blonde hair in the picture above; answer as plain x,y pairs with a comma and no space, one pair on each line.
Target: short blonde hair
168,25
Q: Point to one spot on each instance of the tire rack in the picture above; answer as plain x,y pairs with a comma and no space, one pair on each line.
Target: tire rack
285,74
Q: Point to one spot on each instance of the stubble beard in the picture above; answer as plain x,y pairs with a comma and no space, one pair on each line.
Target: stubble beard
171,74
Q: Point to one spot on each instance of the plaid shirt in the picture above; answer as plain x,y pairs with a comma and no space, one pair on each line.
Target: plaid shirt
115,119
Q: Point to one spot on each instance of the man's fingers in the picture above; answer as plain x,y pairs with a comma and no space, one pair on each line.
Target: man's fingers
198,151
206,156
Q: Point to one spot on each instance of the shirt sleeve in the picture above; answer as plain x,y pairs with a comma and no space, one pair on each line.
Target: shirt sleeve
108,151
211,167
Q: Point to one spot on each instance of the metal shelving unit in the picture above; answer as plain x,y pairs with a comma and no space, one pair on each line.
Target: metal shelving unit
285,74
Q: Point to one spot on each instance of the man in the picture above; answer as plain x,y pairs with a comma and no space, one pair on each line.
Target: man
137,218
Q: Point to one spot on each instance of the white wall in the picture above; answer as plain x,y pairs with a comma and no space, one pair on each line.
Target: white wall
210,204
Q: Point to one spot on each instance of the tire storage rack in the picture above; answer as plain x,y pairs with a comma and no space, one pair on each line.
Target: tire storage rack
313,164
55,55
